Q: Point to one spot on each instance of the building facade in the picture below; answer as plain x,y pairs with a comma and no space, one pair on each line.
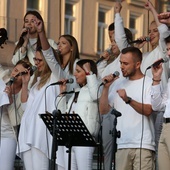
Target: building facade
86,20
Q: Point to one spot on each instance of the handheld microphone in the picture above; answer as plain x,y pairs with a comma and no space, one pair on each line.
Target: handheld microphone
32,69
147,39
71,80
109,50
115,74
11,81
58,51
99,60
155,64
25,32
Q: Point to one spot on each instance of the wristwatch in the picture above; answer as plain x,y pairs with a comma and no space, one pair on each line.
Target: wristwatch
129,100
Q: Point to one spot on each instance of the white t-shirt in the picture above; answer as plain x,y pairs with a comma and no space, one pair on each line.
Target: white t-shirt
132,124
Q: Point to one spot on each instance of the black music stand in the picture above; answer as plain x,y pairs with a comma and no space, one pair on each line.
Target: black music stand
70,131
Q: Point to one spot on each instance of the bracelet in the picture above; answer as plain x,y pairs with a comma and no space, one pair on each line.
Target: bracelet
156,80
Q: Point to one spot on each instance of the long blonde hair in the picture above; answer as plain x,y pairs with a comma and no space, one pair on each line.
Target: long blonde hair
44,75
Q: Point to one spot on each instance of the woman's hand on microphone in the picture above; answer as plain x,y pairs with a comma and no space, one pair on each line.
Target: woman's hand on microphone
157,72
140,45
63,85
26,78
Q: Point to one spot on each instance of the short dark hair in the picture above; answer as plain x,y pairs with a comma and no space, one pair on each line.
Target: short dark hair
111,27
127,32
135,51
92,64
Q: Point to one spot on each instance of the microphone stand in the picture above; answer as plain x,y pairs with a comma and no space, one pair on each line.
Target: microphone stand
115,134
54,141
56,114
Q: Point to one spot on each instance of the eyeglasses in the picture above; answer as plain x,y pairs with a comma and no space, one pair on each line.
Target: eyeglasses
37,60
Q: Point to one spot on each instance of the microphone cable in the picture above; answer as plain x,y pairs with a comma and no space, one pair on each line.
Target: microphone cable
100,140
49,156
142,131
45,126
1,123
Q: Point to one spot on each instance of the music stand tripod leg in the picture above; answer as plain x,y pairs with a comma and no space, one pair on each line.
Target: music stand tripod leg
115,134
69,157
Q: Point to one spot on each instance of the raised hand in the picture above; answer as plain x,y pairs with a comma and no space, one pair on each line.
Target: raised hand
117,7
39,25
164,18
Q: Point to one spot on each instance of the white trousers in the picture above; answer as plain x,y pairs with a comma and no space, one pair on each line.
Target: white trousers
7,153
81,158
34,159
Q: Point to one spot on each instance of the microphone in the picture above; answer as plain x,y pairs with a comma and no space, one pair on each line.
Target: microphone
69,92
71,80
109,50
11,81
25,32
115,74
58,51
140,41
155,64
32,69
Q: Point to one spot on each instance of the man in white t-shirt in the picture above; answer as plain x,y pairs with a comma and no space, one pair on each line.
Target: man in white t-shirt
130,96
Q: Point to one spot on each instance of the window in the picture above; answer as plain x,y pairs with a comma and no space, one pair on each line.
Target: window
163,6
3,14
72,21
133,25
101,30
136,2
32,4
136,24
105,18
69,18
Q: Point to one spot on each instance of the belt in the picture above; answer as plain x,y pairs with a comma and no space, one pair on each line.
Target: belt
166,120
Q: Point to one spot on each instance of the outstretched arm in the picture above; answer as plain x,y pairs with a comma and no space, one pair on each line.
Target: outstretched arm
149,6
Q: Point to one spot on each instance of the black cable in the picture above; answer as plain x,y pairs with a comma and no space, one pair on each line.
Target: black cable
100,141
1,123
140,163
16,118
46,127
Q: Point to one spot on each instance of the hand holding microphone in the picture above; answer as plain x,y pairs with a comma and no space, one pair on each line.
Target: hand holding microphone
31,69
140,40
156,63
12,79
25,32
106,55
110,78
157,73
